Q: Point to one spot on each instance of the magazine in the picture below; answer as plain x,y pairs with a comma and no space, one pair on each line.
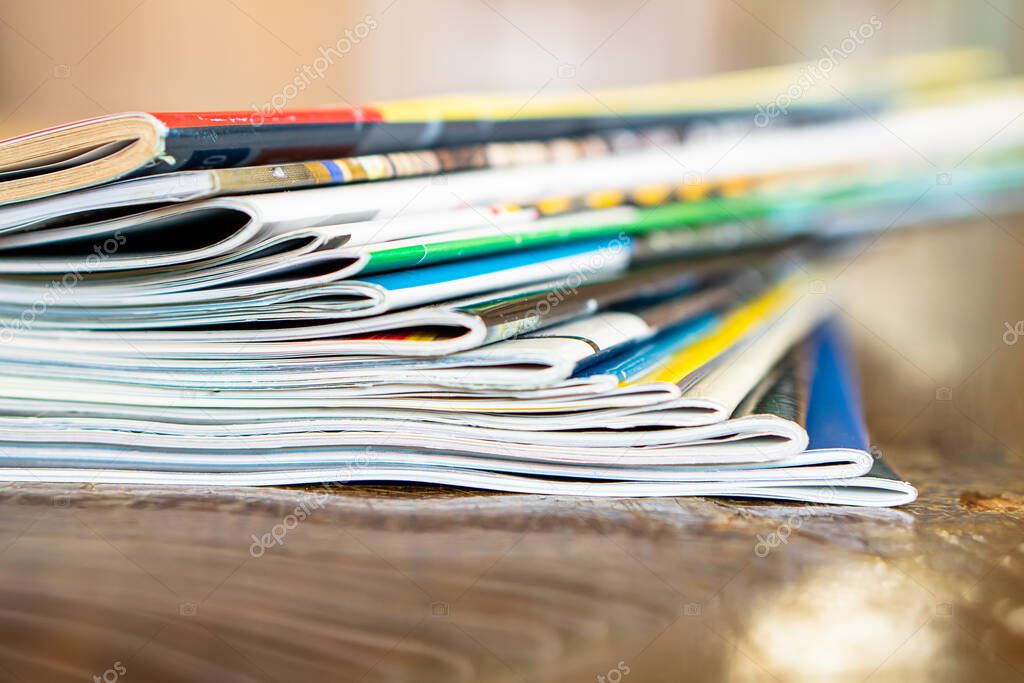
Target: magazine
99,150
561,302
595,363
837,468
770,168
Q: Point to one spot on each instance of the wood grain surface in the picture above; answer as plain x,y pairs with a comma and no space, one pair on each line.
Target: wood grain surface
367,583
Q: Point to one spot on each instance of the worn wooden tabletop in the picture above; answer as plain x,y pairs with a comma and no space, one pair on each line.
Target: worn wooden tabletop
384,583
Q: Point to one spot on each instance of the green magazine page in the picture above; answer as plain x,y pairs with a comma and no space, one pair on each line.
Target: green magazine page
780,214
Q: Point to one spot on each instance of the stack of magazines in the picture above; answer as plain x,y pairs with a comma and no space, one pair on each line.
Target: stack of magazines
618,293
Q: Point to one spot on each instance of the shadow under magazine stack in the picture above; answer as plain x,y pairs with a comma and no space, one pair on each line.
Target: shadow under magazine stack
620,294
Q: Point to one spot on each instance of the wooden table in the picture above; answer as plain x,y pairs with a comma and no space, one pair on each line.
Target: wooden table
422,584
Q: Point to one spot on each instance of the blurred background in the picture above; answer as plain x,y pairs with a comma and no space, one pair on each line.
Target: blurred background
929,311
69,59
